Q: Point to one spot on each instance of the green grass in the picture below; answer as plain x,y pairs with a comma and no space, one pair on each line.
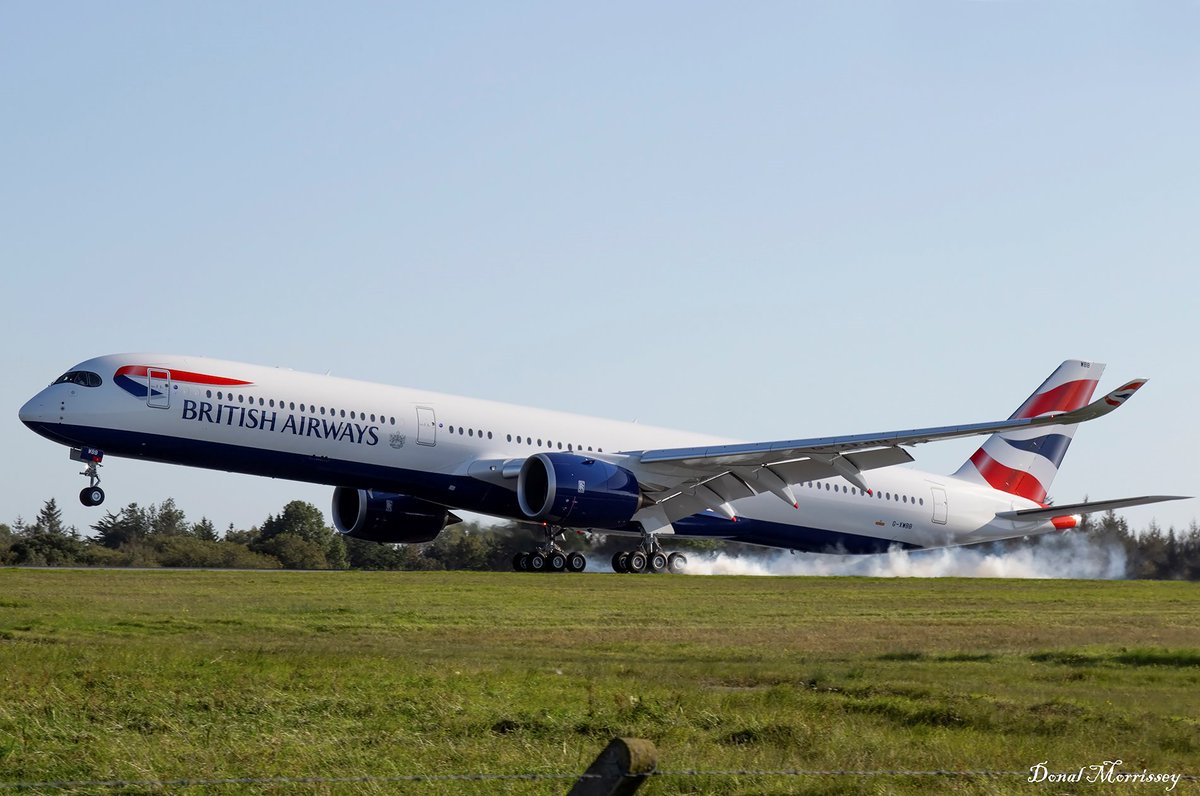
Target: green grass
165,675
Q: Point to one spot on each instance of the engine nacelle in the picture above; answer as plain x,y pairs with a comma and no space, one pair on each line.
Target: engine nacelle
569,489
387,517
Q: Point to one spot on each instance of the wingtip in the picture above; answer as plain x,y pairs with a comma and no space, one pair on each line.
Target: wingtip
1124,392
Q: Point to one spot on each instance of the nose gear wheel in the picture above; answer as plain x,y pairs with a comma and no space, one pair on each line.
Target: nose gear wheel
92,494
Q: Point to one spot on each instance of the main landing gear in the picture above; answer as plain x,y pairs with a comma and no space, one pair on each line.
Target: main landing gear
649,557
549,556
91,495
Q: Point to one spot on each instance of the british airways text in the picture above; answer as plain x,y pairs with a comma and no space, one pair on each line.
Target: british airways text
253,417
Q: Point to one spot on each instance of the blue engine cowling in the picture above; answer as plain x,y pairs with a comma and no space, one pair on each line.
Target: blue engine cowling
387,517
568,489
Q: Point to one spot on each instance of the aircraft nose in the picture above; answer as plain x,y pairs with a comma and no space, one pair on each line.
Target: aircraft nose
34,410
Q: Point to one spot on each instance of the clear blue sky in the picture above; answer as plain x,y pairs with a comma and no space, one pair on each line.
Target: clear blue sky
760,220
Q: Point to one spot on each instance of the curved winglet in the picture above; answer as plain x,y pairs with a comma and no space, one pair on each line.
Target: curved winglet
1102,406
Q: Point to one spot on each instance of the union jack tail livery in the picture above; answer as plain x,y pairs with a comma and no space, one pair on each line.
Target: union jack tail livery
1024,462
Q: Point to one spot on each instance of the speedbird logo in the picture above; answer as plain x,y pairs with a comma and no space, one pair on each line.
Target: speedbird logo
135,379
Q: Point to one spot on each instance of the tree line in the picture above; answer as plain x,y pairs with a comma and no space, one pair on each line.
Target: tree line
298,538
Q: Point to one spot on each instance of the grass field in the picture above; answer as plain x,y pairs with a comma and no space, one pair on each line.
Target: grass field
165,675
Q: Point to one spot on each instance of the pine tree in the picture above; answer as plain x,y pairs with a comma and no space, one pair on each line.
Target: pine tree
205,530
131,524
49,520
167,519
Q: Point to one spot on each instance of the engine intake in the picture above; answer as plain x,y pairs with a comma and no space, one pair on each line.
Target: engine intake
388,517
568,489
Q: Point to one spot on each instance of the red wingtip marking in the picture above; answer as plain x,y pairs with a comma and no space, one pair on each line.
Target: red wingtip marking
795,505
1064,523
870,493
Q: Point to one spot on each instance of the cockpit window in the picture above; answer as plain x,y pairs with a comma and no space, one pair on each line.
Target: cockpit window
84,378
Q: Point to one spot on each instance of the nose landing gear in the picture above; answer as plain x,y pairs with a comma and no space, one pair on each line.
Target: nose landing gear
91,495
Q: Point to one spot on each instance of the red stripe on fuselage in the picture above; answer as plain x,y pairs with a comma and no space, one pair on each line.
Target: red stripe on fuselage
181,375
1006,479
1063,398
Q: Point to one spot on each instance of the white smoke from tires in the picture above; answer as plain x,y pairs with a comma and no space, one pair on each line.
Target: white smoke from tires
1065,556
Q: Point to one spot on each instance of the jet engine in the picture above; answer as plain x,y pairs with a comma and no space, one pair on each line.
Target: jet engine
387,517
569,489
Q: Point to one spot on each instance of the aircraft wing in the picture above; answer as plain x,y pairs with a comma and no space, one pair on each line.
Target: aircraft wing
686,481
680,482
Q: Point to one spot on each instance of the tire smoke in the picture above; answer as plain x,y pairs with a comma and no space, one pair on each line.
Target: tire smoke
1068,555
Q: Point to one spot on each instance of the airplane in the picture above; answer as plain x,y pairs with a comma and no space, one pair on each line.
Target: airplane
401,461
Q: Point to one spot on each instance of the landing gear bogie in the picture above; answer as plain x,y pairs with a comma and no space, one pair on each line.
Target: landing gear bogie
649,557
550,557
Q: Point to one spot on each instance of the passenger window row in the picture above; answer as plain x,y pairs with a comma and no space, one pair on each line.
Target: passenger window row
306,408
894,496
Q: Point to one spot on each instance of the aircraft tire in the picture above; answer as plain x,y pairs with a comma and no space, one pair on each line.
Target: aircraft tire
537,562
557,562
637,562
658,562
91,496
521,562
676,563
620,562
576,562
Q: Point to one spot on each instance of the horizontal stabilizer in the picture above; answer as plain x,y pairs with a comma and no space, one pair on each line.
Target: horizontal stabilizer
1085,508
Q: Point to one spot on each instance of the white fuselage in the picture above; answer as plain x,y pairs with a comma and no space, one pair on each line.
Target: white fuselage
322,429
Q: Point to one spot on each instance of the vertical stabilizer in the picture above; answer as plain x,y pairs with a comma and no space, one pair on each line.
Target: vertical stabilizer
1025,462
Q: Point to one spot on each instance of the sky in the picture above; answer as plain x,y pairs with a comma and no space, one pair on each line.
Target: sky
764,221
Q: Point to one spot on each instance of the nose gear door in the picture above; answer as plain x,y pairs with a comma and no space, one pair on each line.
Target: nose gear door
158,384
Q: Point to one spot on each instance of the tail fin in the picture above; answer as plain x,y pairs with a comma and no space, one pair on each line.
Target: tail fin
1025,462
